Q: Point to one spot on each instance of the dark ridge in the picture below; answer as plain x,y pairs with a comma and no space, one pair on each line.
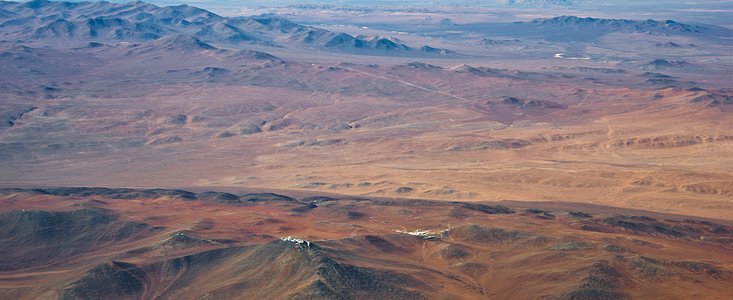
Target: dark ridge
423,66
698,230
601,283
454,252
40,226
652,267
226,32
180,240
399,202
404,190
174,27
351,282
540,214
656,75
344,41
432,50
113,280
266,197
668,45
663,64
703,268
384,245
650,26
248,198
117,193
580,215
709,226
484,235
712,99
29,238
643,225
20,190
95,45
176,42
272,22
217,196
595,228
251,129
281,124
127,193
250,54
490,145
195,263
648,267
331,279
482,71
529,103
487,209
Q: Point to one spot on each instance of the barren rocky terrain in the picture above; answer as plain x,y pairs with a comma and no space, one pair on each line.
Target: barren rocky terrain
451,152
82,243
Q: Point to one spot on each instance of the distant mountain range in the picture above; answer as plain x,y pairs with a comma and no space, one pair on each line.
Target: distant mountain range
136,22
647,26
573,28
542,3
78,23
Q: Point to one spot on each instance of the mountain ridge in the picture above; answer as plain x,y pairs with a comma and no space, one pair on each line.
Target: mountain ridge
77,22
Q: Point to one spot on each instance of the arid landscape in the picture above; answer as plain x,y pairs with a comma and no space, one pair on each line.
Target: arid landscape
121,243
366,150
